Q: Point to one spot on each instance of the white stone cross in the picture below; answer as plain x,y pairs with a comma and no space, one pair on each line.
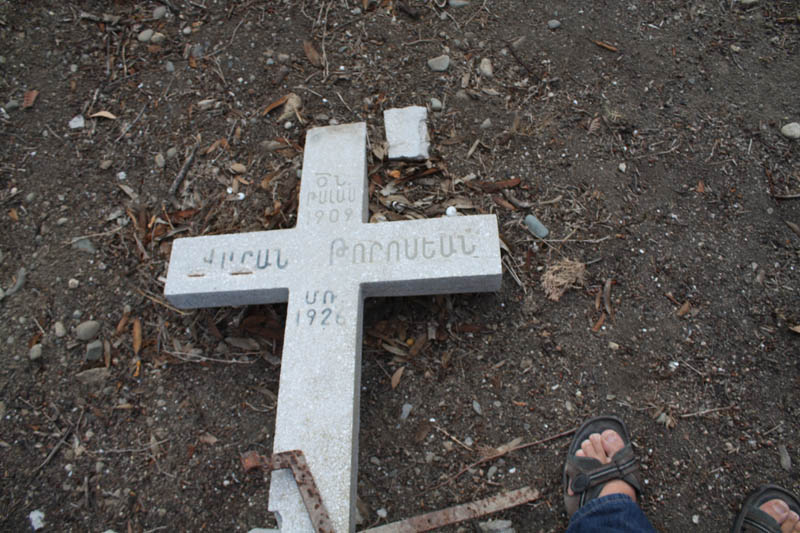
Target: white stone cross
325,267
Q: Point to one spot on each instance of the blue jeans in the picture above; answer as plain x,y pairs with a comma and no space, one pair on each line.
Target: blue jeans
616,513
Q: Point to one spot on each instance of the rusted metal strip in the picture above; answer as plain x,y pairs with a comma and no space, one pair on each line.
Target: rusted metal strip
459,513
296,462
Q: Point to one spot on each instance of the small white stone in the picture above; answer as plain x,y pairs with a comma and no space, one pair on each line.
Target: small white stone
382,512
73,283
451,211
623,167
791,130
436,104
77,122
159,12
158,38
439,64
486,68
59,329
145,35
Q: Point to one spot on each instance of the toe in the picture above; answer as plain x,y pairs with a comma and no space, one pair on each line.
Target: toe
597,443
777,509
791,524
612,442
588,449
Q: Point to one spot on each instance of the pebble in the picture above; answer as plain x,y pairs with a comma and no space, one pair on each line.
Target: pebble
791,130
158,38
553,24
169,66
160,161
77,122
94,350
93,376
145,35
459,3
187,30
486,68
748,2
407,407
84,245
283,58
159,12
486,124
88,330
436,104
383,513
451,211
536,227
439,64
623,167
105,164
172,152
35,352
476,407
12,105
59,329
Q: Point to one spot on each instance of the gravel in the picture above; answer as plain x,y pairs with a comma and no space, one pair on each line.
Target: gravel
88,330
553,24
145,35
439,64
35,352
94,350
486,68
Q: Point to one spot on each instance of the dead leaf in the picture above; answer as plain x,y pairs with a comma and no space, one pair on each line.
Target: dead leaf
274,105
701,187
292,107
796,329
599,323
137,335
394,350
505,448
685,308
396,376
594,125
104,114
29,98
238,168
13,214
419,343
492,186
311,53
208,438
561,276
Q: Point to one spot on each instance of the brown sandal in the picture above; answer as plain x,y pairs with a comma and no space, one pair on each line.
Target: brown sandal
587,476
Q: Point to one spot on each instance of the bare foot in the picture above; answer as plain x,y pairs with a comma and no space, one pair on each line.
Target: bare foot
787,518
602,447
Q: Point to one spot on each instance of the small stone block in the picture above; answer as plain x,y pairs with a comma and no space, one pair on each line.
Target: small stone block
407,132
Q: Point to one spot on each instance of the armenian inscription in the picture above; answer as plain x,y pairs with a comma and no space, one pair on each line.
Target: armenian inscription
324,268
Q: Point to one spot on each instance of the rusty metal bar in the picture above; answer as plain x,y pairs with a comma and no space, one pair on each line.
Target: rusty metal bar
459,513
296,462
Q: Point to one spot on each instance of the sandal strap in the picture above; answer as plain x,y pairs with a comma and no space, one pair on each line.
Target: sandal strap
623,466
758,520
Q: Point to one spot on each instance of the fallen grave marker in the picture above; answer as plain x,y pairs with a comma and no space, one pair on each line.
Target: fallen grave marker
325,267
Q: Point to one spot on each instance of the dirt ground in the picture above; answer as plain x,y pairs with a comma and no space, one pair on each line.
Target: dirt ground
645,134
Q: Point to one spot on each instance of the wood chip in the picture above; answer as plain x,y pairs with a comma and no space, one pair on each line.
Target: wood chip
605,45
29,98
685,308
313,56
104,114
137,335
274,105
